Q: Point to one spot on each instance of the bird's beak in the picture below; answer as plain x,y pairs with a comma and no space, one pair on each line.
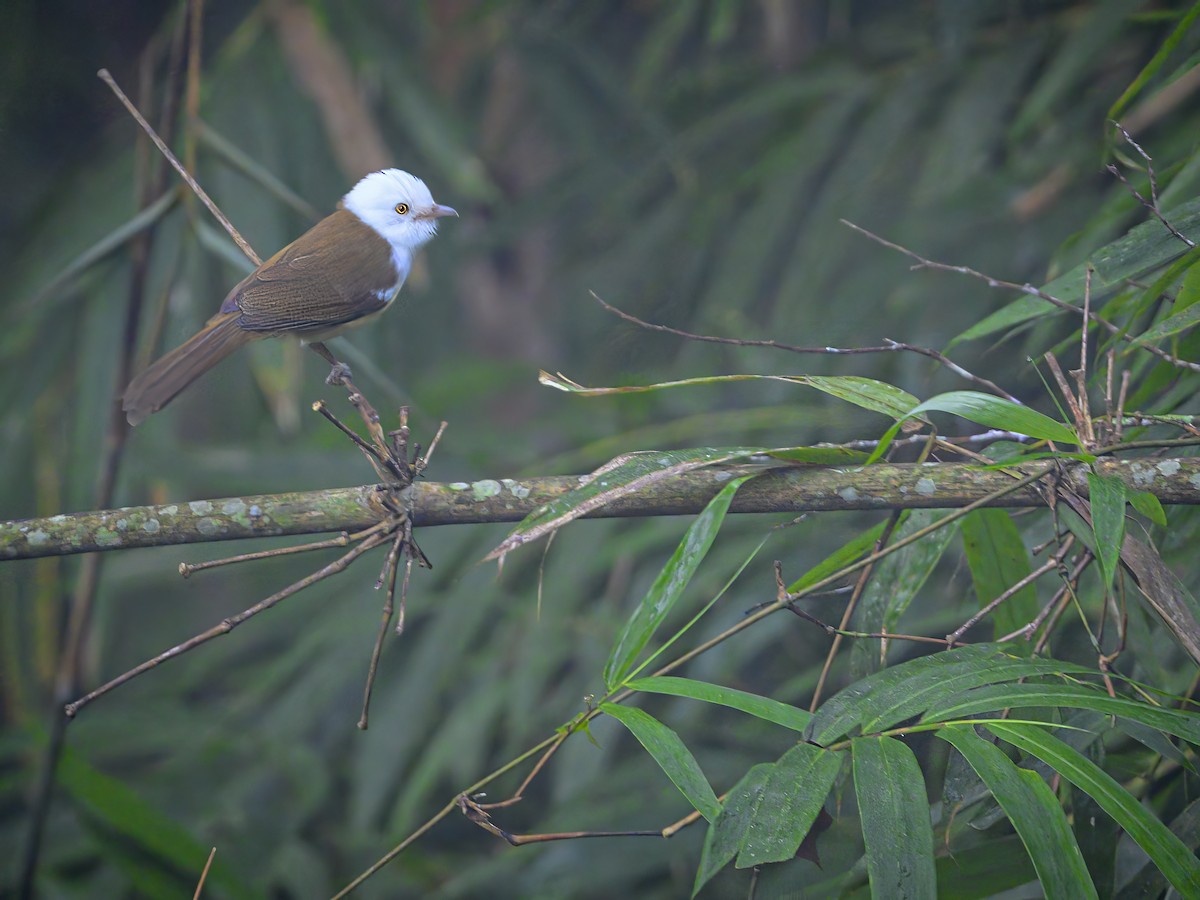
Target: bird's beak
437,211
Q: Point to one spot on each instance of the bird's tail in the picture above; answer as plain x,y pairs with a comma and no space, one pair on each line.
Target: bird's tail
157,386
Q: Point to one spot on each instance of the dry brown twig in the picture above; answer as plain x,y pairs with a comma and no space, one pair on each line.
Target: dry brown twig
1152,204
888,346
204,875
990,281
395,529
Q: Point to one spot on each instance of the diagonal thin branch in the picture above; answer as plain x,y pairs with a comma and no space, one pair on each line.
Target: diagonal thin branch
923,263
227,625
888,346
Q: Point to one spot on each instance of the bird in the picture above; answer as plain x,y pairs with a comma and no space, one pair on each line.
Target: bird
341,273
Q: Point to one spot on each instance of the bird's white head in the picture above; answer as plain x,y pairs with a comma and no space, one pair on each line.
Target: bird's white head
398,206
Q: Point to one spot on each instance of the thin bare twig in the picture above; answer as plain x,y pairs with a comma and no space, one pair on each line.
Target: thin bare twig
107,78
873,635
204,875
852,604
377,457
1065,596
342,540
888,346
389,575
475,813
1065,389
519,794
1049,566
923,263
859,587
227,625
1152,204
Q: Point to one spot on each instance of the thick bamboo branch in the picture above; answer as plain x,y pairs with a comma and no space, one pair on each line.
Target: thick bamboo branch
784,490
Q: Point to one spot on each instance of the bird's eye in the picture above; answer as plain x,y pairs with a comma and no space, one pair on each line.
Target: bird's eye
402,208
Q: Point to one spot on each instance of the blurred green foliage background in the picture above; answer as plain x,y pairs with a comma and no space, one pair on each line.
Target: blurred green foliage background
688,162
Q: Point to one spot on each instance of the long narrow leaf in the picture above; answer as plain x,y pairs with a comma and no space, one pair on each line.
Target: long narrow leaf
849,552
1034,812
612,481
789,804
669,585
997,558
896,581
988,410
1148,883
895,818
868,393
1072,696
909,689
1143,249
756,705
1107,496
119,807
1170,854
725,834
671,754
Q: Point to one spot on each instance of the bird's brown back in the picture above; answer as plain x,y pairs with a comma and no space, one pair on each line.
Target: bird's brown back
338,271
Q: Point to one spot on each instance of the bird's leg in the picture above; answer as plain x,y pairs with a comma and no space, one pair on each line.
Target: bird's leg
340,373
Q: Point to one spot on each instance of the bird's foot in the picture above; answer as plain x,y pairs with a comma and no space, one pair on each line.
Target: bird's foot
339,374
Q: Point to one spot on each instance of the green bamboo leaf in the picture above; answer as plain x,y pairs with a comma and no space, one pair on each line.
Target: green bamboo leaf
996,412
850,552
612,481
1107,496
1173,324
1143,249
821,456
906,690
1188,294
1156,62
984,409
1074,696
672,756
792,797
120,808
991,868
998,559
868,393
55,291
668,587
756,705
1149,506
1169,853
1148,882
896,580
1034,812
895,818
725,835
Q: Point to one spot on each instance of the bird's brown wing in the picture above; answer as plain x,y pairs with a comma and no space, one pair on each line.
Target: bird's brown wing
338,271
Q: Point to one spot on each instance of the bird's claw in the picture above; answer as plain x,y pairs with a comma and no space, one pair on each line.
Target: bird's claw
339,374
